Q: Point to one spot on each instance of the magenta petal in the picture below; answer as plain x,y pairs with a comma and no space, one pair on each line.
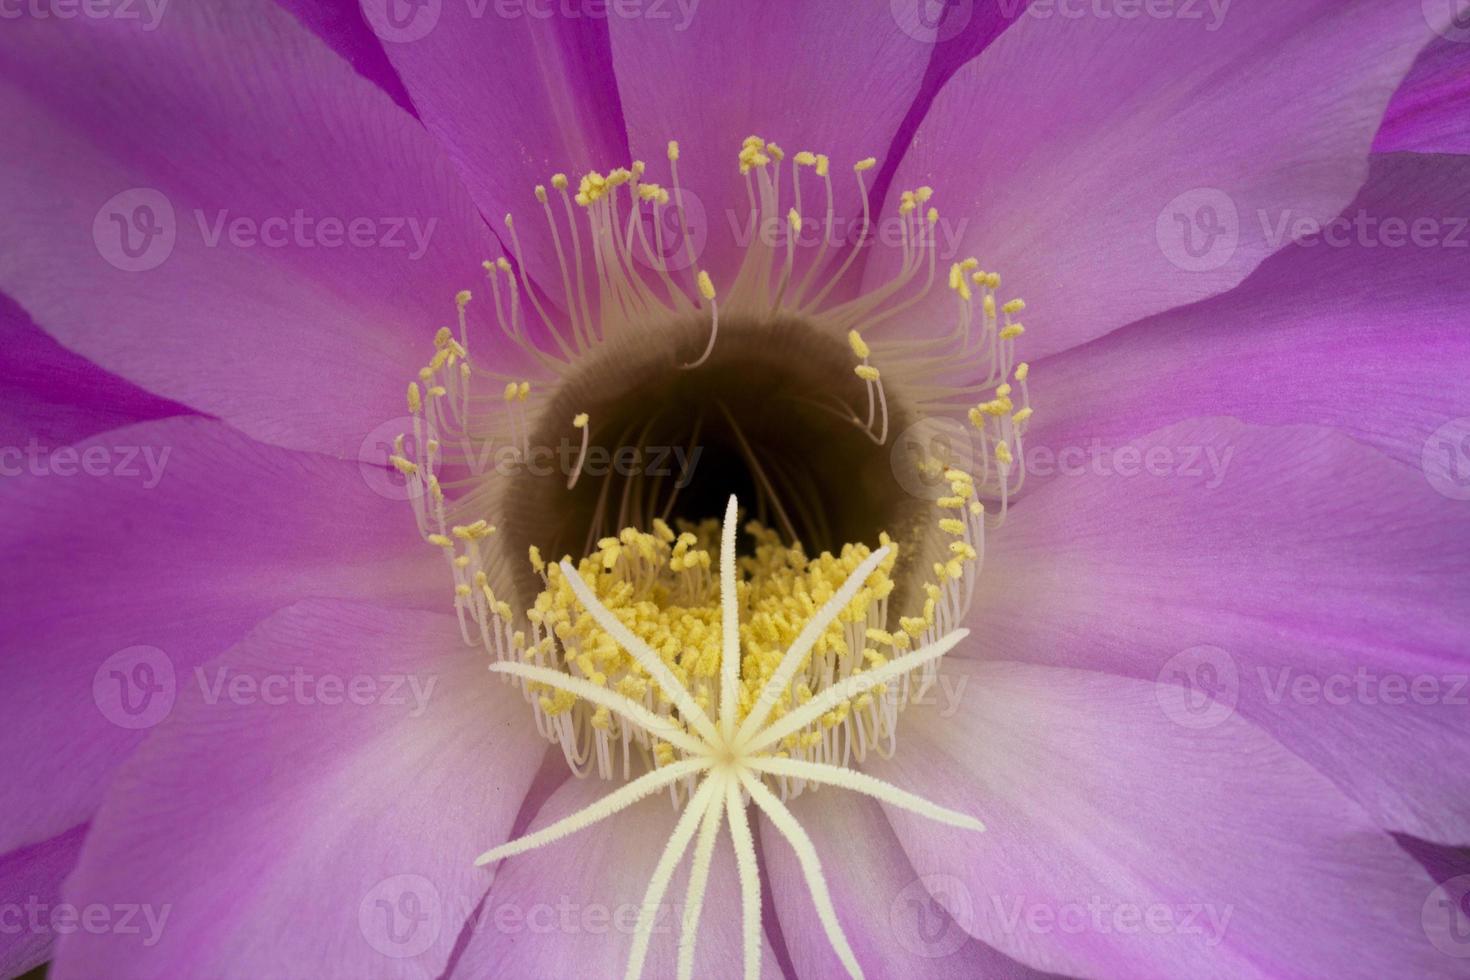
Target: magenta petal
30,894
826,76
1074,153
557,910
243,225
1430,113
516,92
51,397
1304,580
346,31
1120,843
895,927
1361,328
145,552
313,808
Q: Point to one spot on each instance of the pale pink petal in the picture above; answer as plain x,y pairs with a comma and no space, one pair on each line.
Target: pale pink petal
142,552
1306,581
1120,843
1073,155
295,237
314,807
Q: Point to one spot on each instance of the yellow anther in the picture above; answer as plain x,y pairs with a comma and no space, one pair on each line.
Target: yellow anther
866,371
415,400
858,344
1003,454
805,158
510,391
559,181
403,466
923,194
1014,306
523,390
1022,415
579,421
439,540
706,288
462,298
673,150
951,525
1022,370
1012,332
867,163
824,165
541,193
537,563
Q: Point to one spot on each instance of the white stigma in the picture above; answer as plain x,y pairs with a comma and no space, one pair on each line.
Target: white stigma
729,757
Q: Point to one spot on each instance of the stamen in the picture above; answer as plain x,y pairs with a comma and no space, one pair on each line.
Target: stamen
707,290
579,422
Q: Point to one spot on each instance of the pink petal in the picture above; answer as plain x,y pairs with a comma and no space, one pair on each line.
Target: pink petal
346,31
896,928
1430,113
516,92
1120,843
223,125
558,910
52,397
149,550
30,893
1362,329
1066,154
1301,578
317,827
827,76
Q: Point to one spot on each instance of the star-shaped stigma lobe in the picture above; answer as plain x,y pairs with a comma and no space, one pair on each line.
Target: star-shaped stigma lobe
729,757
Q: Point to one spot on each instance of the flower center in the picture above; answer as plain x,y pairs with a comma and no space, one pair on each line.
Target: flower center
644,396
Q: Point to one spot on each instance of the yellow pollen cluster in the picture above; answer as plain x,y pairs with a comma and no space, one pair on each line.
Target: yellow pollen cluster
660,584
